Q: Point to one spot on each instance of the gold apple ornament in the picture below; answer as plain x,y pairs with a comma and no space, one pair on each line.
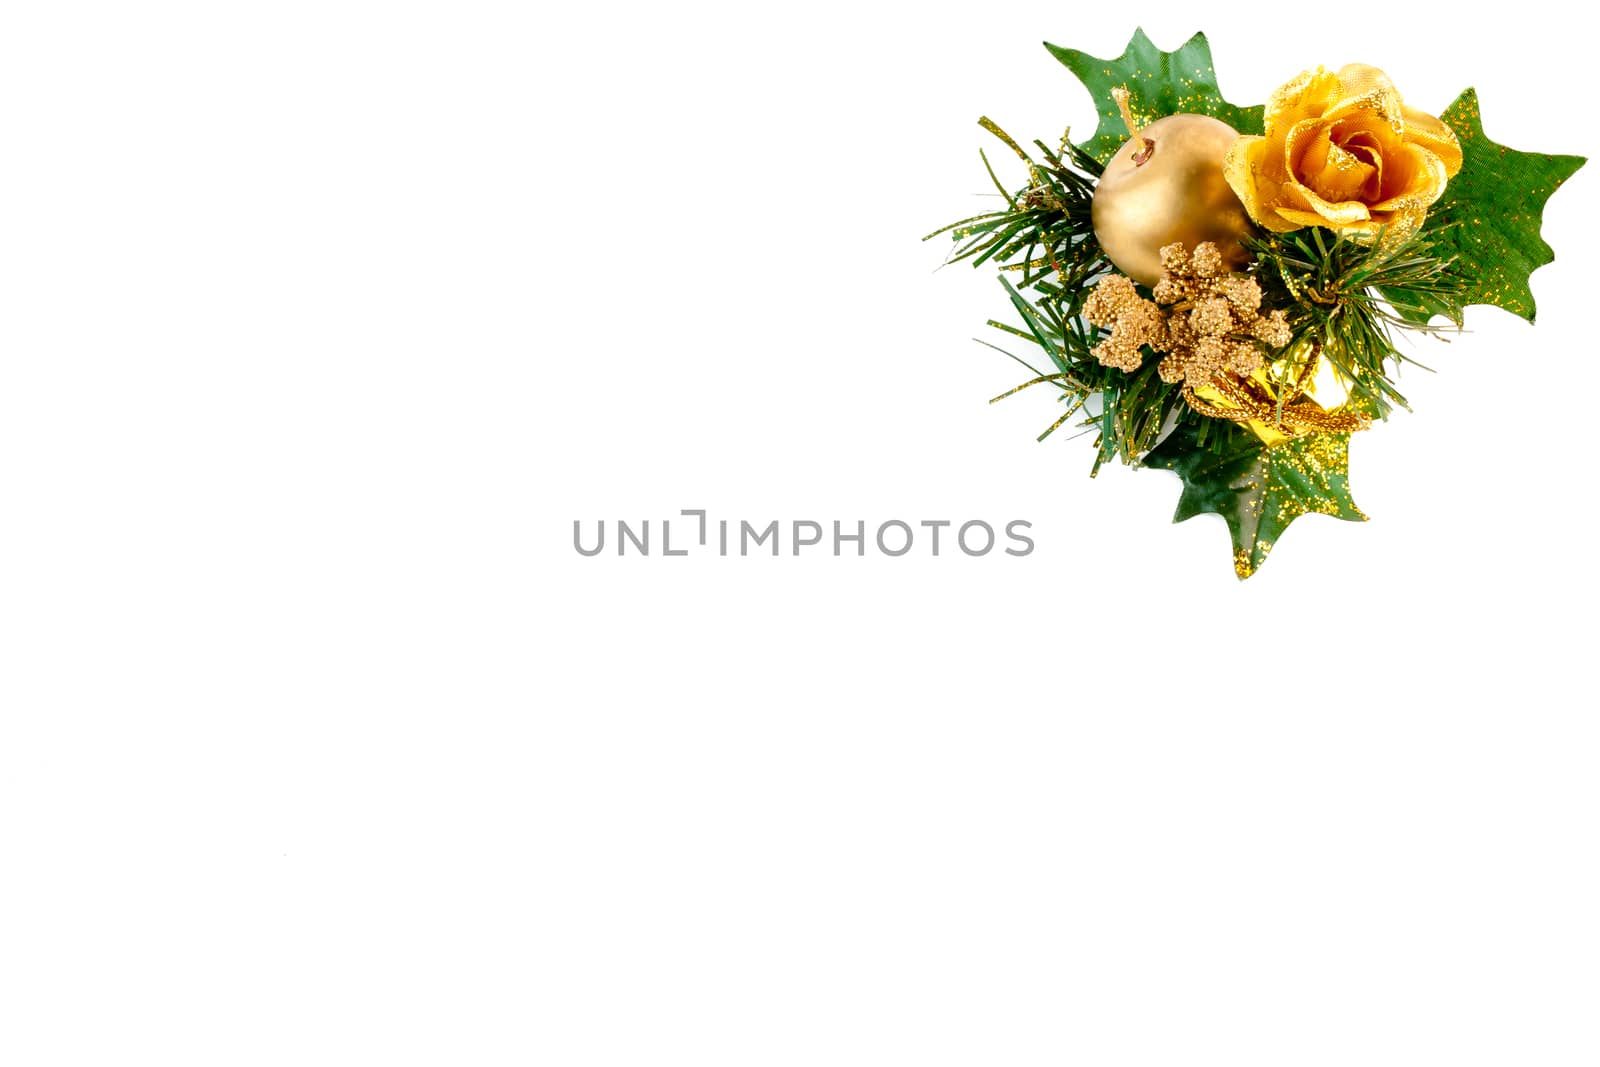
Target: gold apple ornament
1165,185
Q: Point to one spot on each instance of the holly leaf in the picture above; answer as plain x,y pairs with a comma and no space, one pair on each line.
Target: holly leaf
1489,219
1257,489
1161,83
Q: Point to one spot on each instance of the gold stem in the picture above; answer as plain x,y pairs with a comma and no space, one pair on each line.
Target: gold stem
1121,95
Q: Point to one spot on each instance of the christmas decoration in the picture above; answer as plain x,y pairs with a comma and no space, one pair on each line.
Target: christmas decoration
1219,289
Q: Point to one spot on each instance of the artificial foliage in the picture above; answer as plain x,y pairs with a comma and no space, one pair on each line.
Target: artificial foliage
1266,341
1163,83
1489,217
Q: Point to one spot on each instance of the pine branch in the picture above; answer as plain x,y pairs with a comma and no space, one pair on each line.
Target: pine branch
1329,287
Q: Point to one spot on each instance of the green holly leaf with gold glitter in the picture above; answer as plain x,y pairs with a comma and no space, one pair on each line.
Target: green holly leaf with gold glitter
1161,83
1257,489
1489,219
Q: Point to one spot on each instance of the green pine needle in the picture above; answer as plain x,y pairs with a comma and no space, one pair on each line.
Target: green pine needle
1328,287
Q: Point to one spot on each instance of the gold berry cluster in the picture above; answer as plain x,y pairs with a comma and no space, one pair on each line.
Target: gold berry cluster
1206,319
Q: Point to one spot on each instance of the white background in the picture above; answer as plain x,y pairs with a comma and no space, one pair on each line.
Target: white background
320,323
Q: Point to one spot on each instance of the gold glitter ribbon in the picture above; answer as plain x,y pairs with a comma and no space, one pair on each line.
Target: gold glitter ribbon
1274,412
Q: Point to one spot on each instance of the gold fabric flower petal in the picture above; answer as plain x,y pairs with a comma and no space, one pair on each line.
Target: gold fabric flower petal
1425,176
1246,173
1367,91
1305,97
1425,131
1334,215
1334,172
